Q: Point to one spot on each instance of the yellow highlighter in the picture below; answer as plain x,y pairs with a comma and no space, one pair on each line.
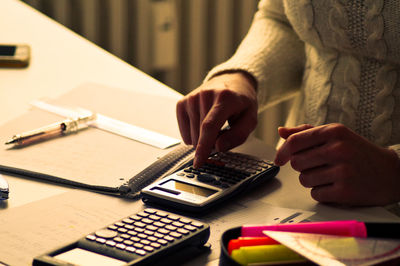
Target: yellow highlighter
265,254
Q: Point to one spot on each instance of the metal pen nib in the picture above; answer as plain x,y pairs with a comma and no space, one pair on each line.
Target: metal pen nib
51,131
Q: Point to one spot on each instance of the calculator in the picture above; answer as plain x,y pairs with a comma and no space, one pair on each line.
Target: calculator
222,176
145,238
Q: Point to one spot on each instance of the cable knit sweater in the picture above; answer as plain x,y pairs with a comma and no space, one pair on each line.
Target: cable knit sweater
342,56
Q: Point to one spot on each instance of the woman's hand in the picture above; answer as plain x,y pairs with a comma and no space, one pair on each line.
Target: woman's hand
203,112
341,166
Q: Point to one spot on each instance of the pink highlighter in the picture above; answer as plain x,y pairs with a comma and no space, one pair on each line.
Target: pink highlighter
339,228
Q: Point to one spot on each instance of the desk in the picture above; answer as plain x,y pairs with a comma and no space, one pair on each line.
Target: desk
62,60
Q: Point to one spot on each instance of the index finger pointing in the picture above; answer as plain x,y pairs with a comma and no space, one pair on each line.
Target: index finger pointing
209,131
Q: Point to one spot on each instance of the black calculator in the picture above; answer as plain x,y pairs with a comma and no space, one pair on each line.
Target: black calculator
145,238
222,176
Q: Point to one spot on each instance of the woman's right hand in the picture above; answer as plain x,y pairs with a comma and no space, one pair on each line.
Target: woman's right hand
202,113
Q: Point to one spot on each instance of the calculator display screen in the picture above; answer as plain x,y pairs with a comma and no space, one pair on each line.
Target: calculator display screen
189,188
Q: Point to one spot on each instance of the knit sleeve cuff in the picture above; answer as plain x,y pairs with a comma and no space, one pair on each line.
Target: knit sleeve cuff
396,148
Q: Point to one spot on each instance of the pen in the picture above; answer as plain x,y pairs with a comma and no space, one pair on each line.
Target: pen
4,190
51,131
340,228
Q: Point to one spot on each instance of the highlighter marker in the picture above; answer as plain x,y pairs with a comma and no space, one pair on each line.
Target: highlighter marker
250,241
264,254
340,228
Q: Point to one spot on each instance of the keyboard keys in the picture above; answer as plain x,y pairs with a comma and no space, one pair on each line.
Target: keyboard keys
145,232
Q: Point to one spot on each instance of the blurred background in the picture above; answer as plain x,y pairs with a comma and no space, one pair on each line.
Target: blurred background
174,41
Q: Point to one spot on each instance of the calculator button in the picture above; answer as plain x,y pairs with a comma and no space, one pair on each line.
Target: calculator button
136,218
178,224
112,227
162,241
105,233
197,224
150,211
125,236
183,231
132,233
148,249
152,238
151,228
171,227
190,175
147,221
162,214
131,249
120,246
122,230
139,229
142,235
100,240
180,174
169,239
128,221
128,242
135,239
145,242
163,231
166,221
206,178
149,233
155,245
129,227
140,252
159,224
91,237
154,217
119,224
175,234
139,224
143,214
138,245
118,239
173,217
158,235
110,243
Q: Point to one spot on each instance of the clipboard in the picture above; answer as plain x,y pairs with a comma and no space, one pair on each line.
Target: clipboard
94,159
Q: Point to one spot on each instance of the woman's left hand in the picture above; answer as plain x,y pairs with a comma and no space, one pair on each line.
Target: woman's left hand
341,166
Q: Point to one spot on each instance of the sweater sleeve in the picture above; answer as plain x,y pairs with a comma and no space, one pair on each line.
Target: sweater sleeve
396,148
271,52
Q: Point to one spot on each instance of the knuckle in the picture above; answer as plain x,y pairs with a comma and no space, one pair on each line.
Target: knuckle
191,99
225,95
337,130
339,150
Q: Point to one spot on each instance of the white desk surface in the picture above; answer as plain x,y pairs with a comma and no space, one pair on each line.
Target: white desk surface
62,60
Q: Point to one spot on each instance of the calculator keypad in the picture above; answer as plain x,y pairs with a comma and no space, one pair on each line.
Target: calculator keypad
143,233
225,169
